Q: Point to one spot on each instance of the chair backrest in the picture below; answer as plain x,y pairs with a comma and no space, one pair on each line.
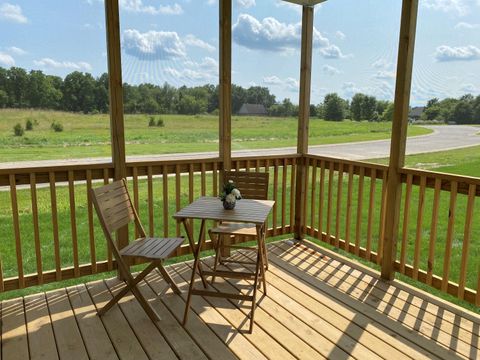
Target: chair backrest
252,185
114,207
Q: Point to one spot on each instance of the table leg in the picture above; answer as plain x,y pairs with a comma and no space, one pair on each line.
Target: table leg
194,269
188,230
261,247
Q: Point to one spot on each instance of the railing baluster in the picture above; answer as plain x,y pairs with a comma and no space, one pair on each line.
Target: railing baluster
135,196
215,179
450,232
106,180
381,224
418,235
165,201
91,233
36,230
331,171
313,204
73,222
371,211
284,193
190,183
467,232
348,217
151,225
178,187
203,180
16,228
433,230
339,205
292,192
56,239
321,198
358,229
406,219
275,196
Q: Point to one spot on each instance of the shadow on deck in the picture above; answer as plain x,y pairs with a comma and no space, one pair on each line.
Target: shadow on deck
318,306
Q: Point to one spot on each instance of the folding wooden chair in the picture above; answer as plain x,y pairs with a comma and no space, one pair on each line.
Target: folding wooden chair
252,185
115,210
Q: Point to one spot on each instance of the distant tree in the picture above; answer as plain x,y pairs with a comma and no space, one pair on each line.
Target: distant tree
260,95
3,99
239,97
101,94
369,107
387,114
188,105
432,110
381,106
79,92
334,107
463,112
476,110
16,87
356,106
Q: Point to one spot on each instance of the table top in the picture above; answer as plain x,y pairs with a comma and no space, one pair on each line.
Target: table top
211,208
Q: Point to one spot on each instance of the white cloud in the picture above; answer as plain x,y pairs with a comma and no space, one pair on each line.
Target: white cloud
6,59
330,70
12,13
137,6
465,25
459,7
192,40
381,63
458,53
16,50
241,3
272,80
384,75
292,84
288,83
332,52
271,35
340,35
381,90
206,70
470,88
163,45
51,63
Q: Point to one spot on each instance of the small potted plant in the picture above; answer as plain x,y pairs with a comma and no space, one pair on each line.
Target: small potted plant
230,195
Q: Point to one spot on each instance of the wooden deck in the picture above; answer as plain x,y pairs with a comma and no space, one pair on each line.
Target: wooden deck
318,306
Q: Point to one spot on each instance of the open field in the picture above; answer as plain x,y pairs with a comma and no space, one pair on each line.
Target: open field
89,135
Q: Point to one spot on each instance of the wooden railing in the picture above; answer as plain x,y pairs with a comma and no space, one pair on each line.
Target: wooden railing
439,239
53,234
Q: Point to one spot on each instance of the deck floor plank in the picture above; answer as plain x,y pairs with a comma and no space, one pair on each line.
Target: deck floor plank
67,335
94,335
41,339
319,305
14,330
361,295
121,335
147,333
211,344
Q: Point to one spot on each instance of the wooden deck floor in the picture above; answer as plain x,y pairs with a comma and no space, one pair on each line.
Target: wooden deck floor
318,306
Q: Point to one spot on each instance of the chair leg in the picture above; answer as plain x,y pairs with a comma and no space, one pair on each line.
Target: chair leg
217,255
168,279
265,254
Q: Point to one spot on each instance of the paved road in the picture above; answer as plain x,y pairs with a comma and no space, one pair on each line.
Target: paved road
443,138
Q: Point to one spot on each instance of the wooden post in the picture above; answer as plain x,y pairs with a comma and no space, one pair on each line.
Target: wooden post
303,118
399,135
116,100
225,95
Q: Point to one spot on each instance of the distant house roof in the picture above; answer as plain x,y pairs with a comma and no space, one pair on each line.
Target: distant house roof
252,109
416,112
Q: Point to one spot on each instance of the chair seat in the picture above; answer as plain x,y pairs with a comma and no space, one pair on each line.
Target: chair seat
235,229
152,248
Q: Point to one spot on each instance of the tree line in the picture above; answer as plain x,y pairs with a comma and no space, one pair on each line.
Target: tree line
82,92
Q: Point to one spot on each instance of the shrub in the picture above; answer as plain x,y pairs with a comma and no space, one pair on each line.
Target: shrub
160,122
151,122
56,126
18,130
29,125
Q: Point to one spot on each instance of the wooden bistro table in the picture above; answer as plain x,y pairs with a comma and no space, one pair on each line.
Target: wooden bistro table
245,211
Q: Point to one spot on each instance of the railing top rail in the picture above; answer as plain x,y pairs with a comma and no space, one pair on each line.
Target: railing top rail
362,163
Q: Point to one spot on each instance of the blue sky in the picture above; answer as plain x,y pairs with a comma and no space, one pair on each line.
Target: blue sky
177,41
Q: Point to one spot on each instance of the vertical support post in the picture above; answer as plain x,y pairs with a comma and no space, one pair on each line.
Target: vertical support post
115,87
303,117
225,93
399,134
225,88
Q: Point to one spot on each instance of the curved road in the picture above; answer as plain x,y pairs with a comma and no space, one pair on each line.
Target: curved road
444,137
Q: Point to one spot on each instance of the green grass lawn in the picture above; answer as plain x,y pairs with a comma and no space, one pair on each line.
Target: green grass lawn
89,135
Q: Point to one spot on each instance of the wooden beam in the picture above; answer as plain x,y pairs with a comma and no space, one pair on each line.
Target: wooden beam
115,83
225,88
303,118
399,134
